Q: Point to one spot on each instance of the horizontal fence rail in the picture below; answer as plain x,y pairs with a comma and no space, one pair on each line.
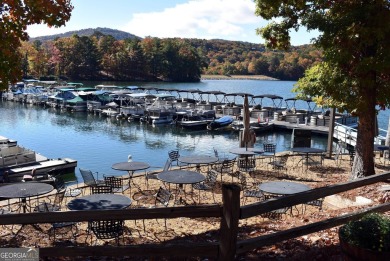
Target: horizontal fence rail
309,195
230,213
266,240
123,214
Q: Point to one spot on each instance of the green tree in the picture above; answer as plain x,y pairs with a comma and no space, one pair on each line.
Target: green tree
355,39
14,18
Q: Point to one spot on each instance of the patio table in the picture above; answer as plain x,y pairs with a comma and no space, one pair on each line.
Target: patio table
24,190
306,151
283,187
198,160
181,177
100,202
130,167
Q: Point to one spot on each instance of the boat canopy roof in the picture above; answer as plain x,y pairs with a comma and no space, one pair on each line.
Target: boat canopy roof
139,94
75,100
132,88
242,94
164,96
85,89
270,96
216,92
75,84
66,89
294,100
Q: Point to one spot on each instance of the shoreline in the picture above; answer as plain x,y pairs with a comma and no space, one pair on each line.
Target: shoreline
237,77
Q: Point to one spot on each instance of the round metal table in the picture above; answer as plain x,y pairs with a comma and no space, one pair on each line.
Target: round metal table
181,177
283,187
130,166
198,160
23,190
306,151
100,202
246,151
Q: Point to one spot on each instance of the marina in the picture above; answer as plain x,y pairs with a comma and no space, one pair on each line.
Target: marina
97,141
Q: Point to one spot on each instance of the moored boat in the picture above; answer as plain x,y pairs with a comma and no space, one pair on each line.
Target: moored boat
17,163
221,123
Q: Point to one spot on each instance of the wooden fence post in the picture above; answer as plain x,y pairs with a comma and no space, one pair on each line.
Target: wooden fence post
229,222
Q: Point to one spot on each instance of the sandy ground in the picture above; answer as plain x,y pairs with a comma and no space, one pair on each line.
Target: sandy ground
322,245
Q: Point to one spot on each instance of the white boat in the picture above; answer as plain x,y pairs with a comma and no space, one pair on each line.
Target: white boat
5,142
76,104
160,117
194,125
17,161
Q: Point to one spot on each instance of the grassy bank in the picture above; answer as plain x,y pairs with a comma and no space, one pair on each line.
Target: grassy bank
237,77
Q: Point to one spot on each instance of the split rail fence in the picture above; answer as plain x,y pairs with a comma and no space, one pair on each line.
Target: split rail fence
230,212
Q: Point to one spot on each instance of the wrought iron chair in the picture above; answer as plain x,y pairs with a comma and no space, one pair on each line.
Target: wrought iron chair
153,174
174,156
102,189
163,197
269,151
51,206
279,163
208,184
248,192
116,184
107,229
57,227
316,203
89,178
276,214
247,164
59,184
226,167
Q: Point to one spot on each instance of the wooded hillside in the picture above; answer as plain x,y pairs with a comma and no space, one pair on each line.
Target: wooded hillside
107,54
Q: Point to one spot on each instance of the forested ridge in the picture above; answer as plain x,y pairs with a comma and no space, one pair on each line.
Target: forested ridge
107,54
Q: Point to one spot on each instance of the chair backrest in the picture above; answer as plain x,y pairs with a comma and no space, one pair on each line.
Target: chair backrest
113,182
59,183
227,166
246,164
107,229
88,177
101,189
174,155
283,159
243,181
167,165
269,147
163,196
211,178
59,197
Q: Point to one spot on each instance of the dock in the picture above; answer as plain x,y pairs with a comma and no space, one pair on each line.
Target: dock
323,130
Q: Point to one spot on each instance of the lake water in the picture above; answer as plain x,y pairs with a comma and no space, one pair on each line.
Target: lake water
98,142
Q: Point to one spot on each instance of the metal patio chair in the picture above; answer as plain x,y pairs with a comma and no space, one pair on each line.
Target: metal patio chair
116,184
107,229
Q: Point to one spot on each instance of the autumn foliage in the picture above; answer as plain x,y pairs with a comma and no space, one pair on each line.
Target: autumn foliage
15,16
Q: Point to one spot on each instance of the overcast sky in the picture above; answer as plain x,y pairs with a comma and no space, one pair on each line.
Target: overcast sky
204,19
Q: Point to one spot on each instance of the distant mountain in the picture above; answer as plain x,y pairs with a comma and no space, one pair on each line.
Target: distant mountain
118,35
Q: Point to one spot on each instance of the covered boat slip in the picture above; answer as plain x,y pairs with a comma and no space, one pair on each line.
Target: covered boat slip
54,166
17,161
